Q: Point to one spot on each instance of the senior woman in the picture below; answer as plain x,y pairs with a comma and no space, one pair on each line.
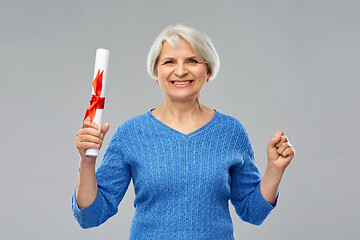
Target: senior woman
186,160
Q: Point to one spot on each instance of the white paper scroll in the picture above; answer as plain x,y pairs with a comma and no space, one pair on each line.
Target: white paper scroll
101,63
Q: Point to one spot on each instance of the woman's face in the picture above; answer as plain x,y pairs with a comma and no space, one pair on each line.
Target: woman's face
180,72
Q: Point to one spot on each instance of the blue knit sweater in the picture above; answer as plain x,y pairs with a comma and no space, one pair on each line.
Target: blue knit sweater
182,182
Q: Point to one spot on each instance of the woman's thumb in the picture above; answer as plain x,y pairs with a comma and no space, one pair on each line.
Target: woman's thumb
104,128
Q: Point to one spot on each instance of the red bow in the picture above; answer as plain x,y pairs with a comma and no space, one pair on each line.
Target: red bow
96,101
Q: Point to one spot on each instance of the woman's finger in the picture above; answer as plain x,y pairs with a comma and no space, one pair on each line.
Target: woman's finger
82,146
87,124
104,128
282,140
89,131
275,139
87,141
288,152
283,146
89,138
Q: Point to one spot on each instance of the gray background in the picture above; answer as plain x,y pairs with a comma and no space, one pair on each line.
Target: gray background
284,64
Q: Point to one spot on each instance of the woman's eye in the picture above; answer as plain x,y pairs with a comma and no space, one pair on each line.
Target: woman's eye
168,62
192,61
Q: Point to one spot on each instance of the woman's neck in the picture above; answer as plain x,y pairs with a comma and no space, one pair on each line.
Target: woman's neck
181,111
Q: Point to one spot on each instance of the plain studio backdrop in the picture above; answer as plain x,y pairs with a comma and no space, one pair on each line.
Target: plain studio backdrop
292,65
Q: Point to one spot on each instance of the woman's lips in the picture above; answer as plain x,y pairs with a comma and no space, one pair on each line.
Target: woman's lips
181,83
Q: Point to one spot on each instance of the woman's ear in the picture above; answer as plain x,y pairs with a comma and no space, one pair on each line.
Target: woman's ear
208,76
156,72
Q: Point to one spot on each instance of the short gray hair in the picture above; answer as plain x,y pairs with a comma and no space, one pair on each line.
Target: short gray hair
199,41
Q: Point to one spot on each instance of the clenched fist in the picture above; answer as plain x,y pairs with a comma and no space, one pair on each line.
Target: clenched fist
279,151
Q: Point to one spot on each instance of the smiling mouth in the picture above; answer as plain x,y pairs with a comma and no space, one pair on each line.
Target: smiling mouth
181,82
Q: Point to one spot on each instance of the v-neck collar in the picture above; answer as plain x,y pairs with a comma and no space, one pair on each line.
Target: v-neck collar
176,132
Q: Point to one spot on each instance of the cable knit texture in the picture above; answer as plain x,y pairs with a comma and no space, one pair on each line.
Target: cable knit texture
183,182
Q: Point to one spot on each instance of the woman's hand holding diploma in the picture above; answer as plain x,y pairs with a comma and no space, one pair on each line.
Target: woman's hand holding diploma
280,153
88,137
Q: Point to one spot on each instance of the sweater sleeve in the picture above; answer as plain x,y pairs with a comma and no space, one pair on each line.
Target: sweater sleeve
245,187
113,177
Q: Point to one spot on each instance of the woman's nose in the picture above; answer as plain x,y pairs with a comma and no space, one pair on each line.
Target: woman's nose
180,70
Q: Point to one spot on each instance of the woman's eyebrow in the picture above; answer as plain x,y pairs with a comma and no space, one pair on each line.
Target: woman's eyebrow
193,57
166,58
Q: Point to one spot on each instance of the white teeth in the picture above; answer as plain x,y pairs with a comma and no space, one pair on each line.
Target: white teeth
182,83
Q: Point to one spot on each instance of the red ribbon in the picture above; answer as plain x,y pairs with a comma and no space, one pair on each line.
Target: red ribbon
96,101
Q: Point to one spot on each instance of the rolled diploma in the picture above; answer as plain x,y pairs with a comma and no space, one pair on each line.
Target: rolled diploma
101,63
